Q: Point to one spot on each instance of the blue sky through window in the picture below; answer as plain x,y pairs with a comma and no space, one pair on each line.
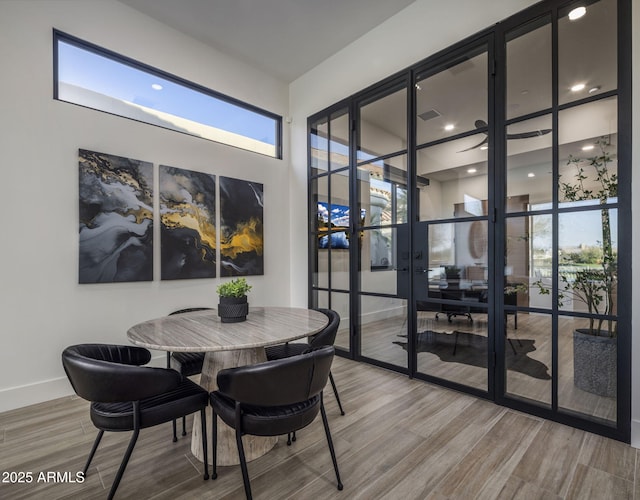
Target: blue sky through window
85,69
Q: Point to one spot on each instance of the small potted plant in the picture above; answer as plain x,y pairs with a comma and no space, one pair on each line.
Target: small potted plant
233,306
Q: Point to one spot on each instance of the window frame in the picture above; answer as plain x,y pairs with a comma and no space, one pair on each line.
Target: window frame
60,36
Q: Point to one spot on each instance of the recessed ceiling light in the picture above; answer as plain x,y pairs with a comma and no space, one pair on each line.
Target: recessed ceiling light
531,174
156,86
471,170
418,87
484,147
577,13
449,127
594,89
578,87
588,147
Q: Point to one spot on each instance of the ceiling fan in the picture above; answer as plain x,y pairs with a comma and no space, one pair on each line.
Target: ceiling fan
521,135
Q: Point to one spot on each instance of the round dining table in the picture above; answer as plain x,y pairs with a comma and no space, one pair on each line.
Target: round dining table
227,345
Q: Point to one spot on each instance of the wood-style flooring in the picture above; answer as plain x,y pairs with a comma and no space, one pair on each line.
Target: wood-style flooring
400,439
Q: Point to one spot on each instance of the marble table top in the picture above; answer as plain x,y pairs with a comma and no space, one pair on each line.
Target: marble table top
202,331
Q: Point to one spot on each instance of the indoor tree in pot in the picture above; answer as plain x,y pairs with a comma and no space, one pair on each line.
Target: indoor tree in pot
595,347
233,306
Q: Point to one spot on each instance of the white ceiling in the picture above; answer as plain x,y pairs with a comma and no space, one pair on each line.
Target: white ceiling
285,38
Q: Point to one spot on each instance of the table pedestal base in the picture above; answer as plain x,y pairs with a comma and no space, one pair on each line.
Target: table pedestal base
254,446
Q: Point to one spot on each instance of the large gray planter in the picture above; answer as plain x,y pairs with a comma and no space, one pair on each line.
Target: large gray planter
595,362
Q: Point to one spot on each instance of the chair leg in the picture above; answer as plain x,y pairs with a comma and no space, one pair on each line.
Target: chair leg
214,444
243,465
184,425
330,441
288,439
203,421
93,452
175,435
335,391
123,465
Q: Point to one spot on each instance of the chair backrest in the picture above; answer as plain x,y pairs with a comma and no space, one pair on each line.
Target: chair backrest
279,382
111,373
327,336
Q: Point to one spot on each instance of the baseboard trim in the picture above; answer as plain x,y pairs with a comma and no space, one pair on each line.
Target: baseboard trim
635,433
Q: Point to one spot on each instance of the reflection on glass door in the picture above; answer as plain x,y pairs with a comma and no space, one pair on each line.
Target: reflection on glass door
330,218
382,199
451,239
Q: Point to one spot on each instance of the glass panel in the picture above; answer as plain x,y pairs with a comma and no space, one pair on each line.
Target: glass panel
339,237
383,329
319,146
382,191
587,364
452,178
383,126
528,356
458,262
529,164
320,226
587,50
340,304
339,217
588,164
529,71
339,145
401,204
320,299
379,258
339,262
454,350
540,261
454,100
319,198
320,271
588,261
518,261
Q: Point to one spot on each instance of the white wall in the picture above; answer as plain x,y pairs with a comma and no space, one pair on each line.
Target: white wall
42,307
418,31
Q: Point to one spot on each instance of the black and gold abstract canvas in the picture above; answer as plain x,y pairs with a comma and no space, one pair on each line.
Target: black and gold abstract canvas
241,235
116,218
187,224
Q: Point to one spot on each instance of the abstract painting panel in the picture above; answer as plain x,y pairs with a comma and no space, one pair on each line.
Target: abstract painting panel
241,234
116,218
187,224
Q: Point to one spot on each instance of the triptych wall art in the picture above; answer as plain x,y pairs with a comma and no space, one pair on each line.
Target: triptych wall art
116,222
241,238
187,224
116,219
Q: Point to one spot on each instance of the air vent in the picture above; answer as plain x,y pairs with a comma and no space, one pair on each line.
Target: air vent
430,115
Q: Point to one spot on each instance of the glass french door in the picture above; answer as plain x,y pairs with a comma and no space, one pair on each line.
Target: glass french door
468,215
453,280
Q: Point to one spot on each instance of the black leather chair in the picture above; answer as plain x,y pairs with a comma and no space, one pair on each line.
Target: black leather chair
187,363
271,399
325,337
125,396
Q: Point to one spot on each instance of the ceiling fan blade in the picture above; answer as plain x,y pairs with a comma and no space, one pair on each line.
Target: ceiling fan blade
484,141
528,135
